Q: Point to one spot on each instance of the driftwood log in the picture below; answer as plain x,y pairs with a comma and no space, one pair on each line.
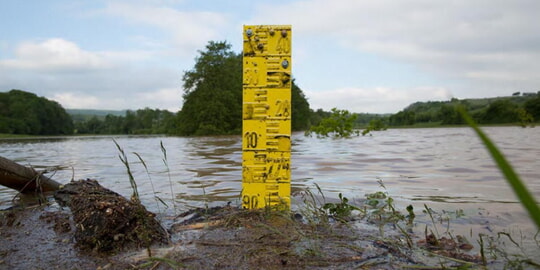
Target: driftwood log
24,179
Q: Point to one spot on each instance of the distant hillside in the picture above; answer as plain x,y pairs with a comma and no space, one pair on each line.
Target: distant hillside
516,109
25,113
85,114
473,103
96,112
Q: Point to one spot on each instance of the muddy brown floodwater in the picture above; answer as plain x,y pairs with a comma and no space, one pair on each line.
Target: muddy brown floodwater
446,170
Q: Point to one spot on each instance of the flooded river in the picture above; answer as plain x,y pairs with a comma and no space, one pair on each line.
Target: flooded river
445,168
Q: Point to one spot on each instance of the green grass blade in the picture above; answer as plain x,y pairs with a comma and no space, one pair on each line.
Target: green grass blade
166,162
149,177
525,197
124,159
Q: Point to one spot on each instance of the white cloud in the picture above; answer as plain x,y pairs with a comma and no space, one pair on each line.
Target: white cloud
487,44
477,48
187,30
59,69
72,100
167,98
374,100
54,54
59,55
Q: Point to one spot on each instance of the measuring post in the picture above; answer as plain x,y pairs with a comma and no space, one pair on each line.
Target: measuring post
266,114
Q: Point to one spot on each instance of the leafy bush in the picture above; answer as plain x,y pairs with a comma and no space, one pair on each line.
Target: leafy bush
339,124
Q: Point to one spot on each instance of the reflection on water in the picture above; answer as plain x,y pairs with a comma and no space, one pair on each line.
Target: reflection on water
415,165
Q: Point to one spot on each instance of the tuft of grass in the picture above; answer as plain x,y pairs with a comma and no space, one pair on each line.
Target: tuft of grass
151,182
429,211
166,162
521,191
124,159
154,262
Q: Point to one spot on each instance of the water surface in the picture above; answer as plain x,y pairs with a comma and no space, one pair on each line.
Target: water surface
445,168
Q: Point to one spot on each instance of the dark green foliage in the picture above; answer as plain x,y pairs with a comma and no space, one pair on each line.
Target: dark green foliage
25,113
532,106
411,216
144,121
405,117
317,116
525,118
366,119
449,115
377,124
340,211
301,113
500,111
339,124
86,114
522,110
213,95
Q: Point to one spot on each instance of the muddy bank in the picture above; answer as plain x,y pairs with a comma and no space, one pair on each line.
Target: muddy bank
81,229
107,222
48,237
41,237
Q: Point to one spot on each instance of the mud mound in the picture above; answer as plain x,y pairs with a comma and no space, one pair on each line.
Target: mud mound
39,237
107,222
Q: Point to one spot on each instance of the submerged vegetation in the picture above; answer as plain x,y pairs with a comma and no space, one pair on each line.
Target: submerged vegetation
339,124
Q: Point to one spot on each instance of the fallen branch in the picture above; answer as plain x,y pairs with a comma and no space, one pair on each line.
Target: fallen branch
24,179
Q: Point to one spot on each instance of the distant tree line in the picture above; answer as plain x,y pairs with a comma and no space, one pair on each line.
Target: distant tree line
25,113
213,106
144,121
522,110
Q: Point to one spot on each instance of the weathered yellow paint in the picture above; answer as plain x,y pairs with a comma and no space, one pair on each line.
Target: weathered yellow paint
266,129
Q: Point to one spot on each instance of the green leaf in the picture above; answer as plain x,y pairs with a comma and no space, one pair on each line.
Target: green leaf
525,197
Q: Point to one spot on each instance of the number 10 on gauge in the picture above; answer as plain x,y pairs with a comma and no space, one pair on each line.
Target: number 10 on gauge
266,116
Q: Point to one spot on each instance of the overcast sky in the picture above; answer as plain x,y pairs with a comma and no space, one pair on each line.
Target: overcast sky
364,56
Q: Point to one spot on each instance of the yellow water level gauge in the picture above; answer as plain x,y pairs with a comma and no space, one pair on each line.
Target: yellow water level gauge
266,116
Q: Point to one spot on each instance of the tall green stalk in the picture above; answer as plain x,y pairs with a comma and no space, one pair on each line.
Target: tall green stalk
123,158
525,197
166,162
149,178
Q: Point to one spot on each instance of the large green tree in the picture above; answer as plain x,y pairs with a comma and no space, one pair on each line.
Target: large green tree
213,95
301,113
25,113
